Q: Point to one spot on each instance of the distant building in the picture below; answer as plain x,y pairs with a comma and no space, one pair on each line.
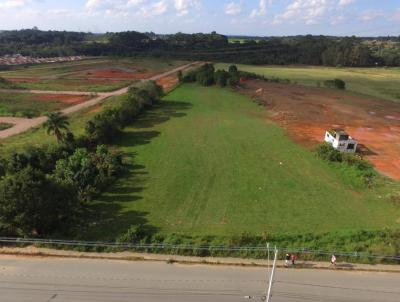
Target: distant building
341,140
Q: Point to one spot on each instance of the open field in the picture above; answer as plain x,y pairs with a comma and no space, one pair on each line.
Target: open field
38,136
97,75
208,161
33,105
308,112
382,83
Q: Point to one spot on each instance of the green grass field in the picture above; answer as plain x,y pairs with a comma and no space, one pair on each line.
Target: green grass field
27,105
377,82
206,161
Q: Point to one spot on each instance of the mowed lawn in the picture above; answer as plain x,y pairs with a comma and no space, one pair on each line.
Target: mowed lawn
207,161
377,82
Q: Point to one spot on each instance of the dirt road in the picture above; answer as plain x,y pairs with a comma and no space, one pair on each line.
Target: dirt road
23,124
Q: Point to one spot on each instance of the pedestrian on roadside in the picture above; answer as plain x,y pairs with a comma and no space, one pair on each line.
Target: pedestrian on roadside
293,257
333,259
287,259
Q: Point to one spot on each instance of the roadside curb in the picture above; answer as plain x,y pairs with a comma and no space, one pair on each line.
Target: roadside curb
189,260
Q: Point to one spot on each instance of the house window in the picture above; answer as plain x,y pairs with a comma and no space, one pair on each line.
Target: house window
351,146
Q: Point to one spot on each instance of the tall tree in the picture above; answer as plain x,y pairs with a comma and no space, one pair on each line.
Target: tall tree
57,124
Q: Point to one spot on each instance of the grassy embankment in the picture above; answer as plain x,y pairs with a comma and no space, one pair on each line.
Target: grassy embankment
377,82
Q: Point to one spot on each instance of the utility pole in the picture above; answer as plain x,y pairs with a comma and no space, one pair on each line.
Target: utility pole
271,279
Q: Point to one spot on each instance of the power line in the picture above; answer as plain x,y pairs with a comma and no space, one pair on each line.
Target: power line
210,248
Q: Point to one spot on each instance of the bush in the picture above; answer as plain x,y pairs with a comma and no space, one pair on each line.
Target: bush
104,127
327,152
233,69
363,168
221,77
205,75
134,234
32,204
336,83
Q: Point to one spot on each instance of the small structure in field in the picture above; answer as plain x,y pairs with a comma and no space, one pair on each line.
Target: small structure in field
341,140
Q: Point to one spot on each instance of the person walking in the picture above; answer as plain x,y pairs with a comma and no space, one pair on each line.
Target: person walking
293,257
287,259
333,259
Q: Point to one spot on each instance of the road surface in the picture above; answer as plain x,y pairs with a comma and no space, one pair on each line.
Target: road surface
83,280
22,125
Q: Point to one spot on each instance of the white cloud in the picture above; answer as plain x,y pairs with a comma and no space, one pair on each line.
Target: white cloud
184,6
233,8
370,15
345,2
13,3
307,11
155,9
261,10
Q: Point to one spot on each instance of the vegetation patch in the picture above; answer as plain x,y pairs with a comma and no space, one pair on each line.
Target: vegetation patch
377,82
33,105
4,126
232,173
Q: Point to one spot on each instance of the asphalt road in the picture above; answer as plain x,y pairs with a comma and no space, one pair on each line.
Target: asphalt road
56,280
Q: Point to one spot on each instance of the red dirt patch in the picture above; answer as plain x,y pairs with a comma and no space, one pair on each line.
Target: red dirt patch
94,109
64,98
306,113
168,82
112,73
23,80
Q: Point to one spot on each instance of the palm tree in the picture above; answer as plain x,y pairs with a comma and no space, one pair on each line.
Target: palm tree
56,123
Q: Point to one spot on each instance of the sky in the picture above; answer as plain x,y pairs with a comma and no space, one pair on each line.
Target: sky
230,17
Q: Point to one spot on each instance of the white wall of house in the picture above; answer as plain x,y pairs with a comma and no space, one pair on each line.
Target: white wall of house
348,145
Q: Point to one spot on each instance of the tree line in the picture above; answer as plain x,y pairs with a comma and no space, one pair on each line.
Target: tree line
47,190
309,50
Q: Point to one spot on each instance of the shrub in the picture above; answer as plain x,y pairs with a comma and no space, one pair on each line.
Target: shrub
32,204
154,91
363,168
221,77
327,152
233,69
104,127
336,83
233,81
134,234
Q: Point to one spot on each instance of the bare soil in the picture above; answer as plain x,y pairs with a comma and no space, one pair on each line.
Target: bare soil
168,82
307,112
23,80
115,73
67,99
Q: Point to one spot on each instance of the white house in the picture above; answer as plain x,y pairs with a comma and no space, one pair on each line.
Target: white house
341,141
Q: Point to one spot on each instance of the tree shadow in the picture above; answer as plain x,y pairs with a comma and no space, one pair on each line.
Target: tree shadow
364,150
162,112
109,221
109,217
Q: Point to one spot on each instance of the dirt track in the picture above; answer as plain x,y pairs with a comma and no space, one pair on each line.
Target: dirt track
306,113
22,124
